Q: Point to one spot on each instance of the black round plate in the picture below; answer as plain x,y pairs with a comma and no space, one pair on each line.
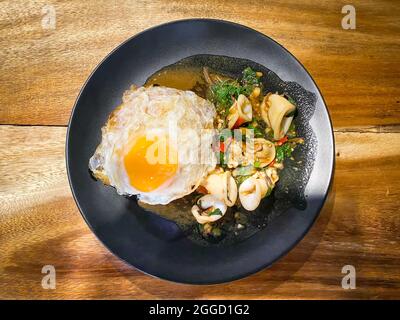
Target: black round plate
144,240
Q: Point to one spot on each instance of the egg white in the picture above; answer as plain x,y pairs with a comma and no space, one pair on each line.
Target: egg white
182,116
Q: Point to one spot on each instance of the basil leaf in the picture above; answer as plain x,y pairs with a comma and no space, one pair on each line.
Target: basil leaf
241,179
284,151
215,212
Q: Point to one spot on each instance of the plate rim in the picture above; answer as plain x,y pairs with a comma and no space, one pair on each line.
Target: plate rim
238,276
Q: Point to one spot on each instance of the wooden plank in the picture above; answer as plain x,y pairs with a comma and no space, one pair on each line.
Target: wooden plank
42,71
40,224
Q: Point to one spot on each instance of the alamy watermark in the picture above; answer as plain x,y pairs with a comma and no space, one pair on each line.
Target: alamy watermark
349,20
49,280
349,280
164,146
49,20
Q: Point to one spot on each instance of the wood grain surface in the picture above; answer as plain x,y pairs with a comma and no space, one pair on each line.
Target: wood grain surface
42,71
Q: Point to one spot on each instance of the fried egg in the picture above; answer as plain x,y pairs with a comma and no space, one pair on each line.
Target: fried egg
157,144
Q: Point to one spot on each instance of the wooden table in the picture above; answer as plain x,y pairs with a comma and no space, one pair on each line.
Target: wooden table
43,69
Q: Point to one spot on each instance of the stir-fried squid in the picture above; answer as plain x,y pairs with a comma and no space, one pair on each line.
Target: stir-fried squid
240,112
278,113
261,135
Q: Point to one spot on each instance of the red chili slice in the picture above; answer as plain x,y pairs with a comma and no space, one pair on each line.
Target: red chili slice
202,190
238,123
282,141
272,163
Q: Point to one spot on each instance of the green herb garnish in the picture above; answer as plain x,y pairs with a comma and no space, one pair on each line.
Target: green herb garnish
291,100
222,159
215,212
290,114
284,151
258,132
240,179
223,93
249,80
292,131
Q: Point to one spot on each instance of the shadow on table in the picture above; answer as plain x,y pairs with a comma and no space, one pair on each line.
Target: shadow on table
259,284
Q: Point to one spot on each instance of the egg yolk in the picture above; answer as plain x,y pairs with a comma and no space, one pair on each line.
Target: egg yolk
148,163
